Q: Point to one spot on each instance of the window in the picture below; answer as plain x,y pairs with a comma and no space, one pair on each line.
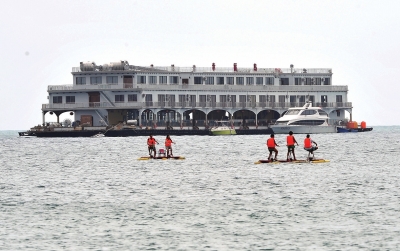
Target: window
307,81
327,81
112,79
292,112
173,80
271,98
284,81
281,122
308,112
153,80
170,99
57,99
302,100
239,80
262,98
70,99
230,81
81,80
269,81
324,99
209,80
339,98
282,99
132,97
338,113
95,80
297,81
119,98
162,80
322,112
308,122
220,80
141,79
249,81
317,81
312,99
198,80
203,100
259,81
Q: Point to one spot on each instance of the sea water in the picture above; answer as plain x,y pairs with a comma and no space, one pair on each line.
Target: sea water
94,194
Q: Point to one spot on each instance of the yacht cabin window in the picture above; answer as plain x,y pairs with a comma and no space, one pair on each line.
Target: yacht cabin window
308,112
293,112
322,112
308,122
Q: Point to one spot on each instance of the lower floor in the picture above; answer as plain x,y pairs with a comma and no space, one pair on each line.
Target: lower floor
184,117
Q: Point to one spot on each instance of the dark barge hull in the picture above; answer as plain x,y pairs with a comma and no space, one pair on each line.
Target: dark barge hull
344,130
67,134
138,132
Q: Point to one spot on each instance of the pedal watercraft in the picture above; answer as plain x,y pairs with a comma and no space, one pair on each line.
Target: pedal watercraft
161,157
291,161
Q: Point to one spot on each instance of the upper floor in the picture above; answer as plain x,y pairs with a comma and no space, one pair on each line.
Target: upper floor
130,76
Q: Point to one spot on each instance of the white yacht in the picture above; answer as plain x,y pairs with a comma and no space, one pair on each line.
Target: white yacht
306,119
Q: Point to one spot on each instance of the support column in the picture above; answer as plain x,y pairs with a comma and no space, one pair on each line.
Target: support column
43,118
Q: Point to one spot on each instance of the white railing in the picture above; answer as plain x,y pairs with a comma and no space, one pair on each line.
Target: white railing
194,105
219,69
168,87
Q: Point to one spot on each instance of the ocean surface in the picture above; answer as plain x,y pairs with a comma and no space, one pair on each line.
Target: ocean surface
94,194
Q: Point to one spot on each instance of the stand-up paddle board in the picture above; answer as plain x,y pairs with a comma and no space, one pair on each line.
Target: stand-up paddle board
291,161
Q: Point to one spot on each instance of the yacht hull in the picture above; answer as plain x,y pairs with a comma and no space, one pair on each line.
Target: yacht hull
303,129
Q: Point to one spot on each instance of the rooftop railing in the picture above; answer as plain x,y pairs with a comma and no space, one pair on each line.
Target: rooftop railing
210,69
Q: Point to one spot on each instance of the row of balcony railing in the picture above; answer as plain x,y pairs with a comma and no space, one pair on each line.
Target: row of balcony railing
193,105
174,87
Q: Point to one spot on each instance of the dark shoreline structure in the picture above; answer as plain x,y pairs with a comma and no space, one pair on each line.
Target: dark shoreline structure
136,132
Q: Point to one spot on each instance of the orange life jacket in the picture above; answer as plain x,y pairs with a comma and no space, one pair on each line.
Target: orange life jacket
151,141
307,143
290,140
168,142
271,142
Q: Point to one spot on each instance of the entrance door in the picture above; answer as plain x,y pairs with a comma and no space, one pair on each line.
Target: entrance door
94,99
128,82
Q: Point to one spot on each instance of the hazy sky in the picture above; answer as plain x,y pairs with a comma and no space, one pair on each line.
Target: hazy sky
40,42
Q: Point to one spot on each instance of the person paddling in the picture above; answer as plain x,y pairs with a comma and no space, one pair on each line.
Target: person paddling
168,147
290,140
308,145
151,145
271,143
